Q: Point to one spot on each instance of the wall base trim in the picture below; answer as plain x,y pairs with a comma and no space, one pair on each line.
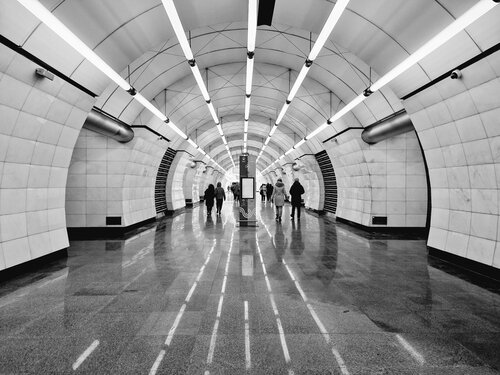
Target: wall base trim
103,233
32,265
463,267
402,232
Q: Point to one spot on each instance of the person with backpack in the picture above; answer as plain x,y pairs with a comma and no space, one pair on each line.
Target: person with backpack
220,196
296,192
279,196
209,198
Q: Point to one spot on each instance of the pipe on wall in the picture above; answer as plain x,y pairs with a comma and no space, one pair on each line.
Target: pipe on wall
396,124
102,123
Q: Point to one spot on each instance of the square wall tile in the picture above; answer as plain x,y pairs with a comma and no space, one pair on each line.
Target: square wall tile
13,226
12,201
481,250
15,175
16,252
40,245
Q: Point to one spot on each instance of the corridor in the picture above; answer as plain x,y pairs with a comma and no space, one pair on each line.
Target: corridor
199,295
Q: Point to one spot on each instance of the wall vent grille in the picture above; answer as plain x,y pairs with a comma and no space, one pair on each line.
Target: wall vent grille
329,180
161,180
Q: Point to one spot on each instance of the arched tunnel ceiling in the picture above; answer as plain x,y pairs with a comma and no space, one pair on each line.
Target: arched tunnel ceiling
135,36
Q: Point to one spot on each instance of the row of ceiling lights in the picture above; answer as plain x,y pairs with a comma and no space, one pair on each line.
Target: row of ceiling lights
478,10
46,17
60,29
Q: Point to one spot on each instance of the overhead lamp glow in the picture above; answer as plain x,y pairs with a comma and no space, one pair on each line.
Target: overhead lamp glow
252,24
247,107
192,143
353,103
224,140
173,16
219,128
267,141
245,137
200,82
289,151
213,113
298,82
330,23
149,106
317,130
177,130
273,130
245,126
479,9
201,150
300,143
45,16
282,113
248,87
281,157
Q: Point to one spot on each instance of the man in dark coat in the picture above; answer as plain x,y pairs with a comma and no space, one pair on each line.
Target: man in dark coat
269,191
296,192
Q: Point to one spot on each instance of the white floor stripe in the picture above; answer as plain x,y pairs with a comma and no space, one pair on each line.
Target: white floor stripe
416,355
157,363
85,354
340,362
213,339
284,346
191,291
174,326
223,289
248,361
219,308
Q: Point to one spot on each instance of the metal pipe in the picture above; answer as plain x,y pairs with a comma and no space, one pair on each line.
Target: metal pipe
396,124
102,123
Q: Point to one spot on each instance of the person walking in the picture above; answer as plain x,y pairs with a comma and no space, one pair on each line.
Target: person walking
263,192
279,196
220,196
237,193
269,191
209,198
296,191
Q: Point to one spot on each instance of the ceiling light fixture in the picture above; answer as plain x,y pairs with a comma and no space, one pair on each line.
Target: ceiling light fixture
176,23
48,19
479,9
327,29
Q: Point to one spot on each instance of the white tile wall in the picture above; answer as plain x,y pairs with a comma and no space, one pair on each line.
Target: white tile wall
33,165
108,178
385,179
465,185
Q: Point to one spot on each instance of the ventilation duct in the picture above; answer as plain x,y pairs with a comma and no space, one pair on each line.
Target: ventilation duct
396,124
103,123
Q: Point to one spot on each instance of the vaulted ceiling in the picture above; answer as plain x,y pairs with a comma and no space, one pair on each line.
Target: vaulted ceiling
136,39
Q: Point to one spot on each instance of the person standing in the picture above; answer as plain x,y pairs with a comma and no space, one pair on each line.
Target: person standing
209,198
220,196
237,193
296,191
279,196
269,191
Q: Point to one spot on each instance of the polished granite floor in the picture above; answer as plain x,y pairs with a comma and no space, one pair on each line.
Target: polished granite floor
200,295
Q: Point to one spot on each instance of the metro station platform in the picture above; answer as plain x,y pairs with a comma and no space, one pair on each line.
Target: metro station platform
198,295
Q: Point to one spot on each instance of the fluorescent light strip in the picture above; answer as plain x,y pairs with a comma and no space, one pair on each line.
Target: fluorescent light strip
219,128
479,9
245,126
199,80
176,23
248,87
247,108
300,143
245,137
149,106
192,143
213,113
282,113
330,23
44,15
298,82
267,140
252,24
272,130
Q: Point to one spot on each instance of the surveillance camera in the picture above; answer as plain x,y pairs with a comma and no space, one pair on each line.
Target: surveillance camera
456,74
